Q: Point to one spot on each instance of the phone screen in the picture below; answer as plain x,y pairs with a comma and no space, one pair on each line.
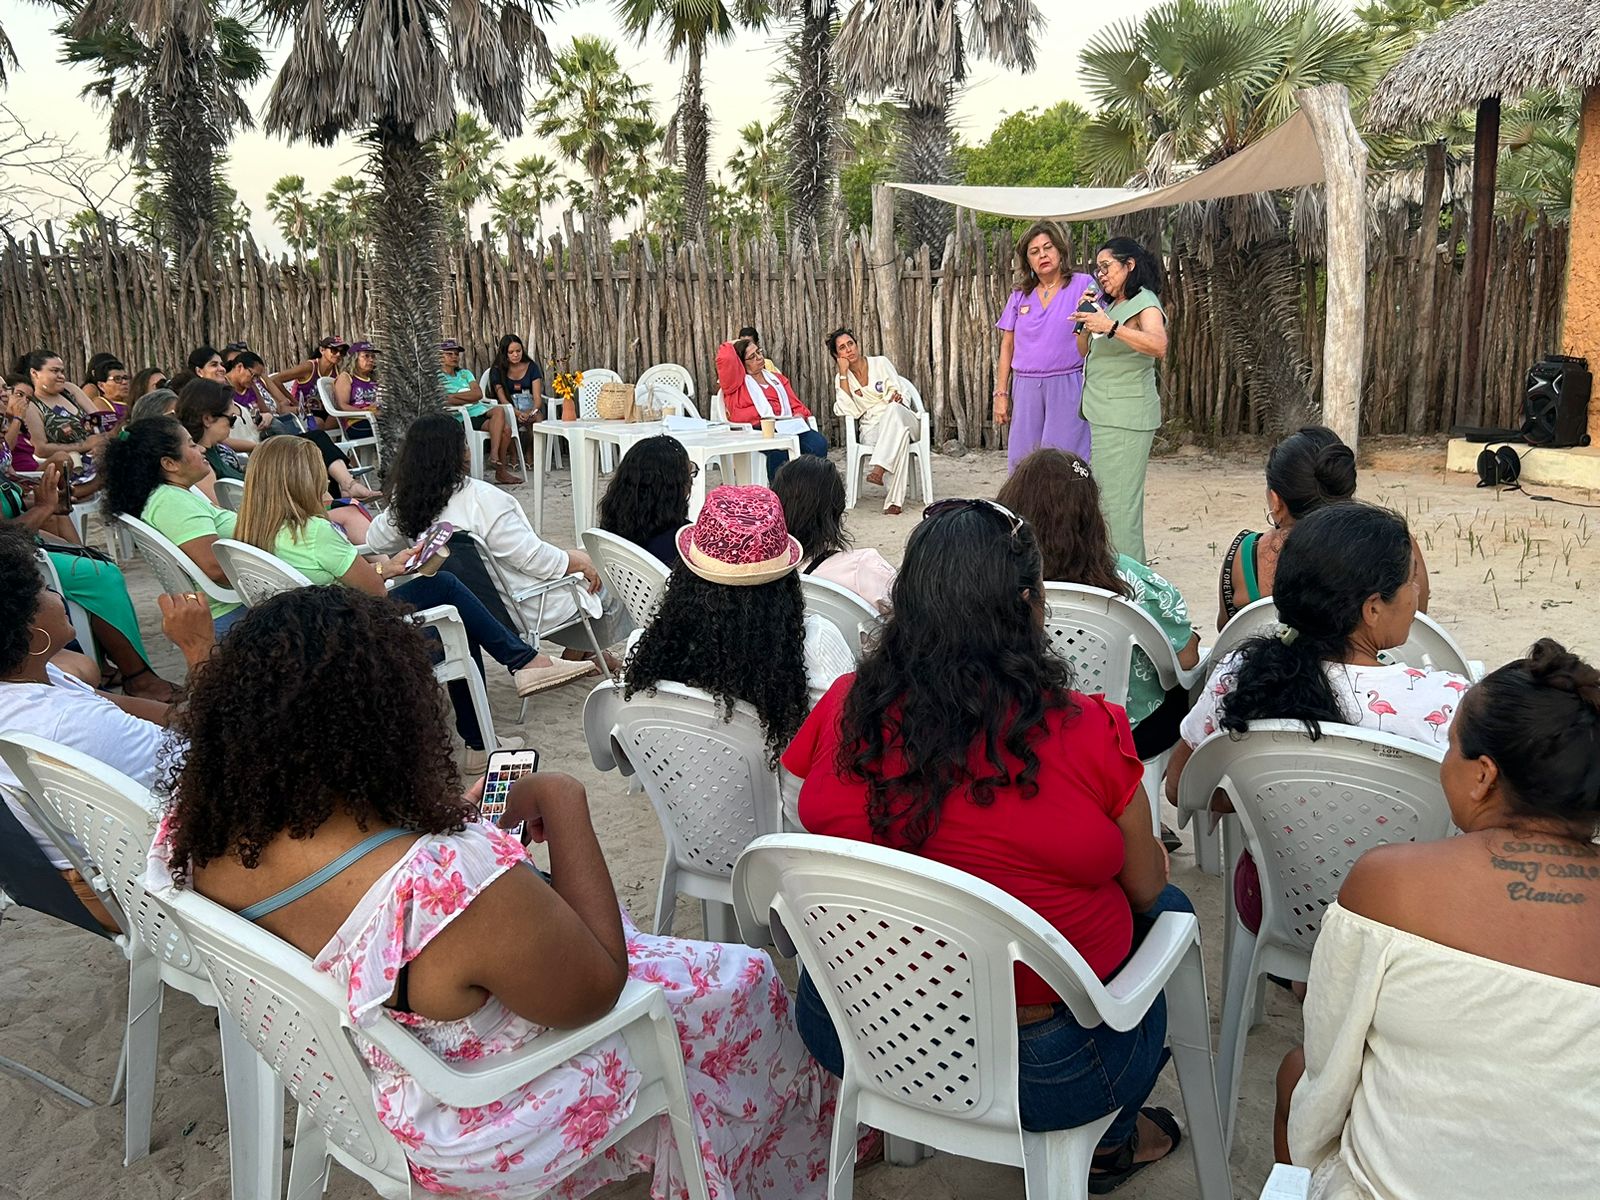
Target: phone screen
505,768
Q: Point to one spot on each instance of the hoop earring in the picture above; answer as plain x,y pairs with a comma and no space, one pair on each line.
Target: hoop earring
36,653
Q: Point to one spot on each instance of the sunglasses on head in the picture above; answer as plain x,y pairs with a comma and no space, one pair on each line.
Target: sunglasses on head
940,507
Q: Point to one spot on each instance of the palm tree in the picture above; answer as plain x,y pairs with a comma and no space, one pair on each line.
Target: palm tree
812,116
294,213
1192,82
756,164
344,211
408,69
691,26
587,109
532,183
173,76
467,157
641,139
916,50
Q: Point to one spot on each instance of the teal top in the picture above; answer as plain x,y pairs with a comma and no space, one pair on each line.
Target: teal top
1165,603
319,552
1119,383
460,382
180,516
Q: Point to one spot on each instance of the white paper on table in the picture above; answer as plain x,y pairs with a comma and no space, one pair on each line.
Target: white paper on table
686,424
789,426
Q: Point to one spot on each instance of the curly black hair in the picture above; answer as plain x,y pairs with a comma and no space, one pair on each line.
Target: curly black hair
133,462
233,795
21,585
429,469
649,494
738,643
1538,718
1332,562
963,661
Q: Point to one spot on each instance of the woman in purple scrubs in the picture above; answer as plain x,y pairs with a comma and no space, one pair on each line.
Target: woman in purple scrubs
1039,384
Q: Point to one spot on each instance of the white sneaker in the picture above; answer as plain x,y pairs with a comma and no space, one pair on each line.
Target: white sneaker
541,679
476,762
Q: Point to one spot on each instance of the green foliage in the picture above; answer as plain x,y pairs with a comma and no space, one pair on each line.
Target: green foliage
1028,149
531,184
856,180
466,163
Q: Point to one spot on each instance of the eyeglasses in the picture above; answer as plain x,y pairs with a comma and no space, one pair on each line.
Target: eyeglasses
118,378
940,507
1101,266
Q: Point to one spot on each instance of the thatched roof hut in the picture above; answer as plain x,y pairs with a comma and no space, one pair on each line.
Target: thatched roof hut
1501,49
1491,54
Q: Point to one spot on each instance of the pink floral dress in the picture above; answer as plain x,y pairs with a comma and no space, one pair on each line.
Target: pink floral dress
763,1106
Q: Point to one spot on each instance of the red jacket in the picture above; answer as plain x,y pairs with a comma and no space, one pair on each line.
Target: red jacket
731,377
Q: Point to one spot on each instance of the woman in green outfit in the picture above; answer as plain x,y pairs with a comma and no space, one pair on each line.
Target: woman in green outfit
91,582
1121,345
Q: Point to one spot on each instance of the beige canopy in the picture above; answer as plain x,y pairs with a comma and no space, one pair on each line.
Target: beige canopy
1288,157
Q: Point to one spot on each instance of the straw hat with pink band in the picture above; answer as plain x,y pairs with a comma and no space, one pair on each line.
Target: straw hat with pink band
740,538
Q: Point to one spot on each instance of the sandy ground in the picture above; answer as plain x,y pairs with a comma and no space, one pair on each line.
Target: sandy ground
1504,570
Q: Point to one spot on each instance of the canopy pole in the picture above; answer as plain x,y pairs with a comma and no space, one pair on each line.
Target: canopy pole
1344,164
885,267
1485,161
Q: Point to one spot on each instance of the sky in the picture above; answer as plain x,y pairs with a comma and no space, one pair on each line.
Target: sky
44,93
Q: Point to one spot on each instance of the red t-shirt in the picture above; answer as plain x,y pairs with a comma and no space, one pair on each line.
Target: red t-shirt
1058,851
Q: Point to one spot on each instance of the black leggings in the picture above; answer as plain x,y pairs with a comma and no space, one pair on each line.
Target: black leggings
330,454
1159,731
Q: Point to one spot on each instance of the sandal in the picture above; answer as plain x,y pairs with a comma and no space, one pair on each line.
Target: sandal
125,680
1113,1168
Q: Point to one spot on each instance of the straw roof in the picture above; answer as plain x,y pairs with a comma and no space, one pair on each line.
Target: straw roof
1500,48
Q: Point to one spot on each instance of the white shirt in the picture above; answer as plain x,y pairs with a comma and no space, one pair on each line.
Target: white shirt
524,558
69,711
867,401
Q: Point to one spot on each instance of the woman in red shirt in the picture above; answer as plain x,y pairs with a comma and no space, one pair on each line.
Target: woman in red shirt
751,391
960,738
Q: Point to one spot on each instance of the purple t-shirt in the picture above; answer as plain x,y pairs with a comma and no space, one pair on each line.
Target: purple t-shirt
363,392
1045,342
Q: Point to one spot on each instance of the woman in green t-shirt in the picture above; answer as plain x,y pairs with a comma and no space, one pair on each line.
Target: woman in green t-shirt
1121,346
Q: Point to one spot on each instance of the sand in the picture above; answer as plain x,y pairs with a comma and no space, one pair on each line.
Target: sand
1504,570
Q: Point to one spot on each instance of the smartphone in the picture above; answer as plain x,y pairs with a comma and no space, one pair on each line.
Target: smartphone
438,534
1089,303
505,768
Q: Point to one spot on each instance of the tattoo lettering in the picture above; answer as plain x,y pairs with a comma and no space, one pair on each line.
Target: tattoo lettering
1523,891
1526,868
1514,857
1556,848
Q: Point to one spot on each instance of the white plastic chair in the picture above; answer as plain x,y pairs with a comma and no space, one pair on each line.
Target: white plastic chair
343,418
1098,631
230,493
295,1017
914,961
856,454
113,820
79,616
662,394
1428,644
512,599
665,375
847,612
1287,1183
174,570
594,378
259,576
638,577
1306,811
707,778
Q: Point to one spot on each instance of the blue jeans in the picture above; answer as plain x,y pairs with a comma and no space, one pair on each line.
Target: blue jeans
811,442
483,633
1066,1075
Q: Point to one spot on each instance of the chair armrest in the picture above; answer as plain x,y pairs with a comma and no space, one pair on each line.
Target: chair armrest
475,1084
548,585
1146,973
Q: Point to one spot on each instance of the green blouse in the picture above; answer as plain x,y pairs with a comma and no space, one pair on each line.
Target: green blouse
1119,383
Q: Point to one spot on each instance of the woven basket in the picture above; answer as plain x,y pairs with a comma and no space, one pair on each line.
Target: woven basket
612,402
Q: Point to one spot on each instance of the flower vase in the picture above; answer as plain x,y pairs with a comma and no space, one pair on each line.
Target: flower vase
569,409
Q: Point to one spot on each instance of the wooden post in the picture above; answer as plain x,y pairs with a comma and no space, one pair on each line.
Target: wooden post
1580,325
885,268
1344,162
1485,160
1421,381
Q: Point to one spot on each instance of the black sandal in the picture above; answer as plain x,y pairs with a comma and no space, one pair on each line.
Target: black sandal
1119,1166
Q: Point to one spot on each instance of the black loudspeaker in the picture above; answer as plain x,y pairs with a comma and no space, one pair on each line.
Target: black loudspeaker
1556,403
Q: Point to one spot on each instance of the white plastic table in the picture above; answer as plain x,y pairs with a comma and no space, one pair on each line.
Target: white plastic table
569,432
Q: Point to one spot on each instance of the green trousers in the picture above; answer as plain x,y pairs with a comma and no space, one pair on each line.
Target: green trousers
1120,457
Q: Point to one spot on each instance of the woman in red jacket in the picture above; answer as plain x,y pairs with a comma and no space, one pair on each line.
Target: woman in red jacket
752,392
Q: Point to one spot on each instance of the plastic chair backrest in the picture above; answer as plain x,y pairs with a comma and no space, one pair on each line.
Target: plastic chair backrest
672,375
847,612
1427,645
172,567
589,390
230,494
638,577
1309,809
1097,631
663,394
913,397
256,575
705,772
293,1015
113,818
78,615
914,960
31,880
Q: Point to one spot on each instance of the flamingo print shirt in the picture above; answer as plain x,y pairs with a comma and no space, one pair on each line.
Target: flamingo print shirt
1409,701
